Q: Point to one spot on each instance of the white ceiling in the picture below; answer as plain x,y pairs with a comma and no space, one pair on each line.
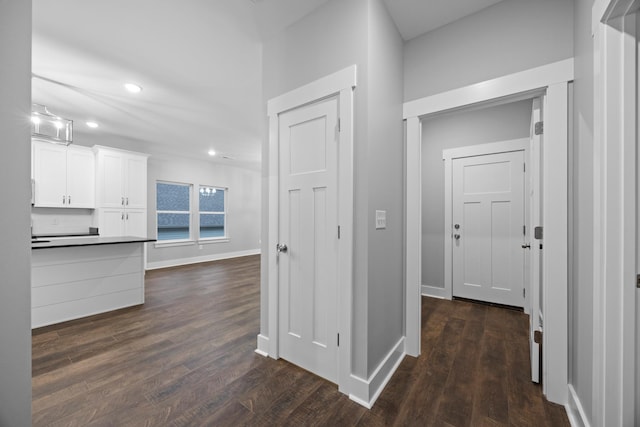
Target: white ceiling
198,61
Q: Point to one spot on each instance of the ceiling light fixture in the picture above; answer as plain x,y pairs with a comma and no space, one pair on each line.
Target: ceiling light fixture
133,88
211,152
92,125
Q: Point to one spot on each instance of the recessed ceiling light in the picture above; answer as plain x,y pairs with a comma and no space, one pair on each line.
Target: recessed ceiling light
92,125
211,152
133,88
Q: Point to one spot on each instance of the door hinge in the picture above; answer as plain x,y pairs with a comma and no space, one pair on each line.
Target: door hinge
638,281
338,340
538,128
524,292
537,232
524,167
524,230
338,232
339,128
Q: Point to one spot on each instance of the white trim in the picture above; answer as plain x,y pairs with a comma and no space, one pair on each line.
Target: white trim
520,144
413,236
575,411
448,155
213,240
434,292
262,345
513,85
366,392
196,260
326,86
615,210
509,85
341,83
173,243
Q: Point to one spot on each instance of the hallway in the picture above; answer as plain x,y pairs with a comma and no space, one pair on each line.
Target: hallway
187,358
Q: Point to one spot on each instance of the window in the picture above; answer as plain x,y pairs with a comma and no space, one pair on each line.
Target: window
173,210
212,212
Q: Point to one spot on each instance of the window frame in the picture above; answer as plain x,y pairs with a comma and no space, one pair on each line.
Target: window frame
225,237
176,242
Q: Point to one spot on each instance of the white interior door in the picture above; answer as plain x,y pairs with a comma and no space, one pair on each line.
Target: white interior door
488,228
535,310
308,237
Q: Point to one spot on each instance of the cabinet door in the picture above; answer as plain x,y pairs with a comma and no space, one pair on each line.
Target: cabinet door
136,182
135,223
111,223
50,175
111,179
80,178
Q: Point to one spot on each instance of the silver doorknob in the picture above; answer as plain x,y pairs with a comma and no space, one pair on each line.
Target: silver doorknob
526,246
456,236
281,247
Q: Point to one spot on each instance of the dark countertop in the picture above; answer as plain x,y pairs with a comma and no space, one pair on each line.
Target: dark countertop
85,241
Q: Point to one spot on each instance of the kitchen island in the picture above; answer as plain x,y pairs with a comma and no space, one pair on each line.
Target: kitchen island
83,276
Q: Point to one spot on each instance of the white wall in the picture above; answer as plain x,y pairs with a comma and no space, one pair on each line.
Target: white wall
491,124
243,207
581,289
511,36
15,252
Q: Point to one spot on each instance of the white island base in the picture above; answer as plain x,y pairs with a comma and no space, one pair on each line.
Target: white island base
70,282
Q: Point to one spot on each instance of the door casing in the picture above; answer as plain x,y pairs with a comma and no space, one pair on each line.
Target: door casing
615,226
341,84
552,78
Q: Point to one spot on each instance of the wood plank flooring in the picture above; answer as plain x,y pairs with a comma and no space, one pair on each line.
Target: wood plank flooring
186,358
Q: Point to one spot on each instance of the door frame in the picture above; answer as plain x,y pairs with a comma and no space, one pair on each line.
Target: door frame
553,78
615,189
448,156
341,84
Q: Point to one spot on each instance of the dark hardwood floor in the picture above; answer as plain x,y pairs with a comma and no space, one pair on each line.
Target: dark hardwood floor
186,358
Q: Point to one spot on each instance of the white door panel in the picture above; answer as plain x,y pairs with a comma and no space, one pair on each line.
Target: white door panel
488,208
308,226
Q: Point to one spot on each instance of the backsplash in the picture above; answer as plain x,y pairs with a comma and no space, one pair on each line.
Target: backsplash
60,221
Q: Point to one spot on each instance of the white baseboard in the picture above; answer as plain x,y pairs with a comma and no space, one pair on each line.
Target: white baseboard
575,411
434,292
263,345
366,392
195,260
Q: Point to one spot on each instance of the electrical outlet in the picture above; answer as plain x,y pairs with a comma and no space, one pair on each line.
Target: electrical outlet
381,220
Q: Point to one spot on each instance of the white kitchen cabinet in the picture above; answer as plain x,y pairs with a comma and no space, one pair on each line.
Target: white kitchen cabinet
122,192
122,178
116,222
64,176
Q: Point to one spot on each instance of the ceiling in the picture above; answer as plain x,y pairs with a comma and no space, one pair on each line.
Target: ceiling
198,62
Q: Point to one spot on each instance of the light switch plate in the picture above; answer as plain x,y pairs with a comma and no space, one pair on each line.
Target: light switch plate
381,220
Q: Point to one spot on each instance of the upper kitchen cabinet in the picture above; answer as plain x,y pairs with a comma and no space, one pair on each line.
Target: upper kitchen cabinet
64,176
122,178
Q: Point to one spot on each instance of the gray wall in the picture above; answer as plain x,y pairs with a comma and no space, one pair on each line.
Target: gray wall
300,54
360,33
15,252
243,204
491,124
511,36
385,186
581,288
